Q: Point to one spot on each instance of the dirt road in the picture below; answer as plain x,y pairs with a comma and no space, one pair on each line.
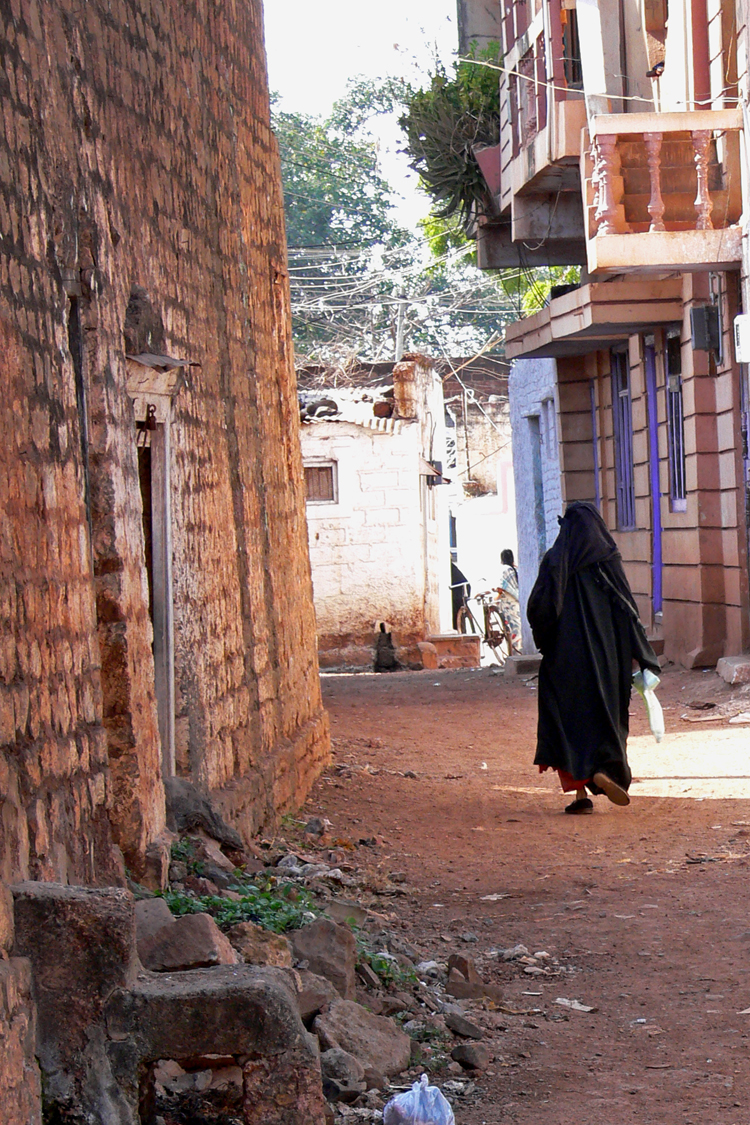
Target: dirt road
645,909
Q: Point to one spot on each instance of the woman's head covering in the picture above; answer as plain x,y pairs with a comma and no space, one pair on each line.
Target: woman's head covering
584,534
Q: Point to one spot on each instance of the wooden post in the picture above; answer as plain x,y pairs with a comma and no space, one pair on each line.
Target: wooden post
652,141
606,209
703,203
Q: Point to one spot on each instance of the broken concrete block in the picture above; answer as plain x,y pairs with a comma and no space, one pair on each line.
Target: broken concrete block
471,1056
465,966
373,1040
459,1024
312,993
453,650
226,1011
192,942
82,948
526,664
283,1090
343,1075
330,951
257,946
429,654
151,915
734,669
466,990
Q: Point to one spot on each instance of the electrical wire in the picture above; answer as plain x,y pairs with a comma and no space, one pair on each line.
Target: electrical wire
566,89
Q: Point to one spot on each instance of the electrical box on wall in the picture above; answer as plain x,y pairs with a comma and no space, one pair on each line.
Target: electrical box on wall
742,338
705,328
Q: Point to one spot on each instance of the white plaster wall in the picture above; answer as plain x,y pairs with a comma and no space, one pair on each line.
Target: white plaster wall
436,508
486,525
380,553
532,390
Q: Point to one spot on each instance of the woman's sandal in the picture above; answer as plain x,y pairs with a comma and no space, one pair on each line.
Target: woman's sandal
582,807
616,794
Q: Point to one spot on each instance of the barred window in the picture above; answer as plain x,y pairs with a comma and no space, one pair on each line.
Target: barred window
675,425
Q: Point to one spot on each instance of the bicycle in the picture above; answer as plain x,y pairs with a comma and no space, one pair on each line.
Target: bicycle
496,633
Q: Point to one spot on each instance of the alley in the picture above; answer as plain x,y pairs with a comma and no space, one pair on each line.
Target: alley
643,911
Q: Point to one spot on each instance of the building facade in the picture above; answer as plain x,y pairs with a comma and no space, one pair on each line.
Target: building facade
622,151
377,512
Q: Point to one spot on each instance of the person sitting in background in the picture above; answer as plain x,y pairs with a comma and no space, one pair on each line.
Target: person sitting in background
460,589
508,597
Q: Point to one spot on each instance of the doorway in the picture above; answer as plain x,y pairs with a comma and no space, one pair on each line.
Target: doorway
152,440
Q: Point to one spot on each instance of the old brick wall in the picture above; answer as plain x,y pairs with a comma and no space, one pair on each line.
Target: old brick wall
136,155
20,1083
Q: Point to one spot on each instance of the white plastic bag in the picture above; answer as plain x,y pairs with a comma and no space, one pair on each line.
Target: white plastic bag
422,1105
645,683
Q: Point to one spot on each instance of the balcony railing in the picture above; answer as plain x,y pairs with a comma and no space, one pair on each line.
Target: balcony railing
663,190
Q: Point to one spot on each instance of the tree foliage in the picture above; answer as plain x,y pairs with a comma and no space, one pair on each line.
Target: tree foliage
333,190
354,272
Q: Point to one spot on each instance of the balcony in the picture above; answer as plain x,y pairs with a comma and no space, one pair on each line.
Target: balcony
594,317
662,191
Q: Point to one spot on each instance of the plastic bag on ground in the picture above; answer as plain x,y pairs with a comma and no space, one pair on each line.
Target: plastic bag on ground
422,1105
645,683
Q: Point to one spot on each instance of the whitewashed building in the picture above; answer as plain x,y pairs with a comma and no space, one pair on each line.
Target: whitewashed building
377,513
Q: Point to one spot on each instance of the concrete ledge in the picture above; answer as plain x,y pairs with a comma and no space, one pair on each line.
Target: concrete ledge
734,669
451,650
523,665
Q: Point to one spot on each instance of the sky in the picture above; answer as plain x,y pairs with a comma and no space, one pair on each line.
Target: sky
313,48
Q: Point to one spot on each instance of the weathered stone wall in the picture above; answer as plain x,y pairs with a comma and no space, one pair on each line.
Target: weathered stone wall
20,1084
136,157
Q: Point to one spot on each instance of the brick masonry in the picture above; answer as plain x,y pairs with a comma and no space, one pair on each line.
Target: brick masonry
136,158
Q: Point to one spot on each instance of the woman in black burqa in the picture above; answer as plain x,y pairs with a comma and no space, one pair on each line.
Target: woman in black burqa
586,625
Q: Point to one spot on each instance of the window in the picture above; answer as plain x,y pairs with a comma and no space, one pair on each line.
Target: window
571,50
675,424
622,425
321,483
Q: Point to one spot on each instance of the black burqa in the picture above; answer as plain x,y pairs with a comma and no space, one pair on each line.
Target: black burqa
586,625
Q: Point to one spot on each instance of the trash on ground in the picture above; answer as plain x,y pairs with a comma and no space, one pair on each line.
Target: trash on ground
422,1105
576,1005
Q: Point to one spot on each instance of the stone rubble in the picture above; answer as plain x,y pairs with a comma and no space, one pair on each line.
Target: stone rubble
191,942
381,1010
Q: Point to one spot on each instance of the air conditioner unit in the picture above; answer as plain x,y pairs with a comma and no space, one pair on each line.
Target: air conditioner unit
742,338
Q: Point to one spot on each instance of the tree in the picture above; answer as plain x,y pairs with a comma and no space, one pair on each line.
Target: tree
334,194
355,274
